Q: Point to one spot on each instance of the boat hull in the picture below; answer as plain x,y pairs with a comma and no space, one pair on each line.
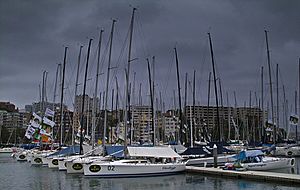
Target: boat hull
45,161
62,165
6,150
210,160
36,160
21,157
287,151
270,164
111,169
74,168
53,163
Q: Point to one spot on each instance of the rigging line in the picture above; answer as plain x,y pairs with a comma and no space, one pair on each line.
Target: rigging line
103,60
93,62
142,35
190,88
51,89
117,68
171,63
69,81
204,51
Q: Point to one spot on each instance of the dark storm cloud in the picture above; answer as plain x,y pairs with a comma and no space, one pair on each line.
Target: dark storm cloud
33,35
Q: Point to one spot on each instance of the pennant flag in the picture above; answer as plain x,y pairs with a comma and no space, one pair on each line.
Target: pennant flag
48,122
46,130
45,139
294,119
34,124
29,132
49,113
36,135
36,118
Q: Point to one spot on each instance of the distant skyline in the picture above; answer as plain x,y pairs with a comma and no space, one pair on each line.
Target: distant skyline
33,35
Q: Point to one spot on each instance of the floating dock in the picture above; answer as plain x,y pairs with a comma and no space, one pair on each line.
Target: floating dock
254,175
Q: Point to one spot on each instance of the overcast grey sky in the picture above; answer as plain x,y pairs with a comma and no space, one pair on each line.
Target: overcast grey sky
33,34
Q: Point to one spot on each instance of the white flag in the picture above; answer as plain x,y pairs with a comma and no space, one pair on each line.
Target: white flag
44,132
48,122
35,124
49,112
36,117
294,119
29,132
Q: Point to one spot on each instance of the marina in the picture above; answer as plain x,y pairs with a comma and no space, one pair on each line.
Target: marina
32,177
149,95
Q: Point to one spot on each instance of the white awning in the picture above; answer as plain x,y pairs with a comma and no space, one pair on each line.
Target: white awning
155,152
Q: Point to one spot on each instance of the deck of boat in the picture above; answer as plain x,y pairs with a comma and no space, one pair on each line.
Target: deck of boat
255,175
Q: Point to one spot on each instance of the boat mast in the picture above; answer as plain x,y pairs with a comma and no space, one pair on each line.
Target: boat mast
117,100
216,90
193,131
83,96
140,94
45,87
255,122
75,114
185,107
208,101
62,97
43,93
262,105
249,121
277,99
133,109
236,128
271,88
107,82
112,115
296,112
181,139
229,114
43,105
298,101
55,86
128,74
285,122
151,98
95,111
222,109
54,95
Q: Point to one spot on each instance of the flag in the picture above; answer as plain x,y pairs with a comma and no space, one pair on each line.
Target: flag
45,139
48,122
49,113
29,132
34,124
294,120
45,130
36,135
36,117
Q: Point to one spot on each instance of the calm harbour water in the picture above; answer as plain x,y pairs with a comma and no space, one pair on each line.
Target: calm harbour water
21,175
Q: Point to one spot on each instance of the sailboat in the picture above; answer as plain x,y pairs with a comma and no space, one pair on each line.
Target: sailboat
138,161
257,161
141,161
